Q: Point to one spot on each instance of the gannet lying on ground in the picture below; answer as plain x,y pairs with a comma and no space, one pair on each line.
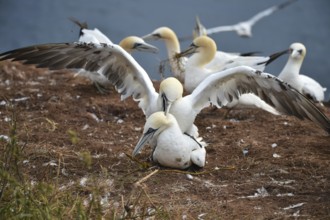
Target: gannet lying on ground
173,148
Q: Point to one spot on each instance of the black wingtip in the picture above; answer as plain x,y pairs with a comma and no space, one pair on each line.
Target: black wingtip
248,54
274,56
285,4
82,25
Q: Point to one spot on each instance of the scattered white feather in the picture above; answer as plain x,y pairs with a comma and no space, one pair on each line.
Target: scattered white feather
282,183
245,151
64,172
275,155
284,194
294,206
85,127
189,177
4,137
261,192
120,121
200,216
96,156
93,116
51,163
20,99
83,181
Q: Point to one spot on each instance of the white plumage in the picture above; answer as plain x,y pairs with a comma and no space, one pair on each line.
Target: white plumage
291,74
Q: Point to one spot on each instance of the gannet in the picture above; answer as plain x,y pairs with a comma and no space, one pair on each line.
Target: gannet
244,28
173,47
204,49
130,79
291,74
204,61
129,44
220,61
199,29
173,148
95,36
113,63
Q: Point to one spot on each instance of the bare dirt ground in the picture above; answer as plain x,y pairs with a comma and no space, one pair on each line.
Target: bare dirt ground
64,122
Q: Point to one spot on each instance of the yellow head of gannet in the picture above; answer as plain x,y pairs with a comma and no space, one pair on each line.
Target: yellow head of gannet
133,43
160,33
168,35
170,90
205,49
173,149
155,124
173,48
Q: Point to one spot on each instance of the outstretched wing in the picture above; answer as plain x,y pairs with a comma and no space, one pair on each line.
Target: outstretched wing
268,12
250,22
221,88
110,61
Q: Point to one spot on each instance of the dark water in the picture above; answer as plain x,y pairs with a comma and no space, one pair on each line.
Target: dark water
24,23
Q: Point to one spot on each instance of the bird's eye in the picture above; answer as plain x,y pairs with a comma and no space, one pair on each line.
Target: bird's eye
137,45
151,130
193,45
157,35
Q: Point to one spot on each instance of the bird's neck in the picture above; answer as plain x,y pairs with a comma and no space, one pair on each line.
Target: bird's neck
173,48
172,45
200,59
172,132
291,69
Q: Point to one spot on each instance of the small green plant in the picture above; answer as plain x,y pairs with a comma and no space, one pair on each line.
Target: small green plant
73,136
86,157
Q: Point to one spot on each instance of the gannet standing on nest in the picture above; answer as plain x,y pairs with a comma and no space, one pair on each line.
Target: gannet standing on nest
291,74
173,148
